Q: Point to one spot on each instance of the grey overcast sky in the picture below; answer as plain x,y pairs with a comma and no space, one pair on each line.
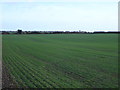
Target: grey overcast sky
86,15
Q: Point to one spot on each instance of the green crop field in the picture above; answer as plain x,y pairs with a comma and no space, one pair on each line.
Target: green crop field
62,60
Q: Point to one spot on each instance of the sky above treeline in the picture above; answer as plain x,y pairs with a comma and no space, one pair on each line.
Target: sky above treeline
52,15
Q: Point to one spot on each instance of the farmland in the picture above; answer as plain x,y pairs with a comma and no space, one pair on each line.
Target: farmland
62,60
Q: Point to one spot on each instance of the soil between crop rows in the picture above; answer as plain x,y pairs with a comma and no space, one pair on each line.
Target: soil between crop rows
7,80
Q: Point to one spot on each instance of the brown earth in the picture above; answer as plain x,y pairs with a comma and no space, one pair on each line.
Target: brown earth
7,80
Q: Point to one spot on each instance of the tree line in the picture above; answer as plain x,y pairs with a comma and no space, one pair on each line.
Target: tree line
57,32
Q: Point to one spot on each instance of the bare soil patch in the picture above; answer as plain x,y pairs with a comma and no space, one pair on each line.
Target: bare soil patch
7,80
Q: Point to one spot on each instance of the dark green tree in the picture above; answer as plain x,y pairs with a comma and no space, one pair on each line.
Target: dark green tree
19,31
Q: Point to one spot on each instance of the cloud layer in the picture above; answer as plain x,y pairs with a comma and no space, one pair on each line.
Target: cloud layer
59,0
59,16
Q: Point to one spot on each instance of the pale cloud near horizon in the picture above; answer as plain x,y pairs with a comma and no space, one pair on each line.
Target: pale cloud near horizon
59,0
60,16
